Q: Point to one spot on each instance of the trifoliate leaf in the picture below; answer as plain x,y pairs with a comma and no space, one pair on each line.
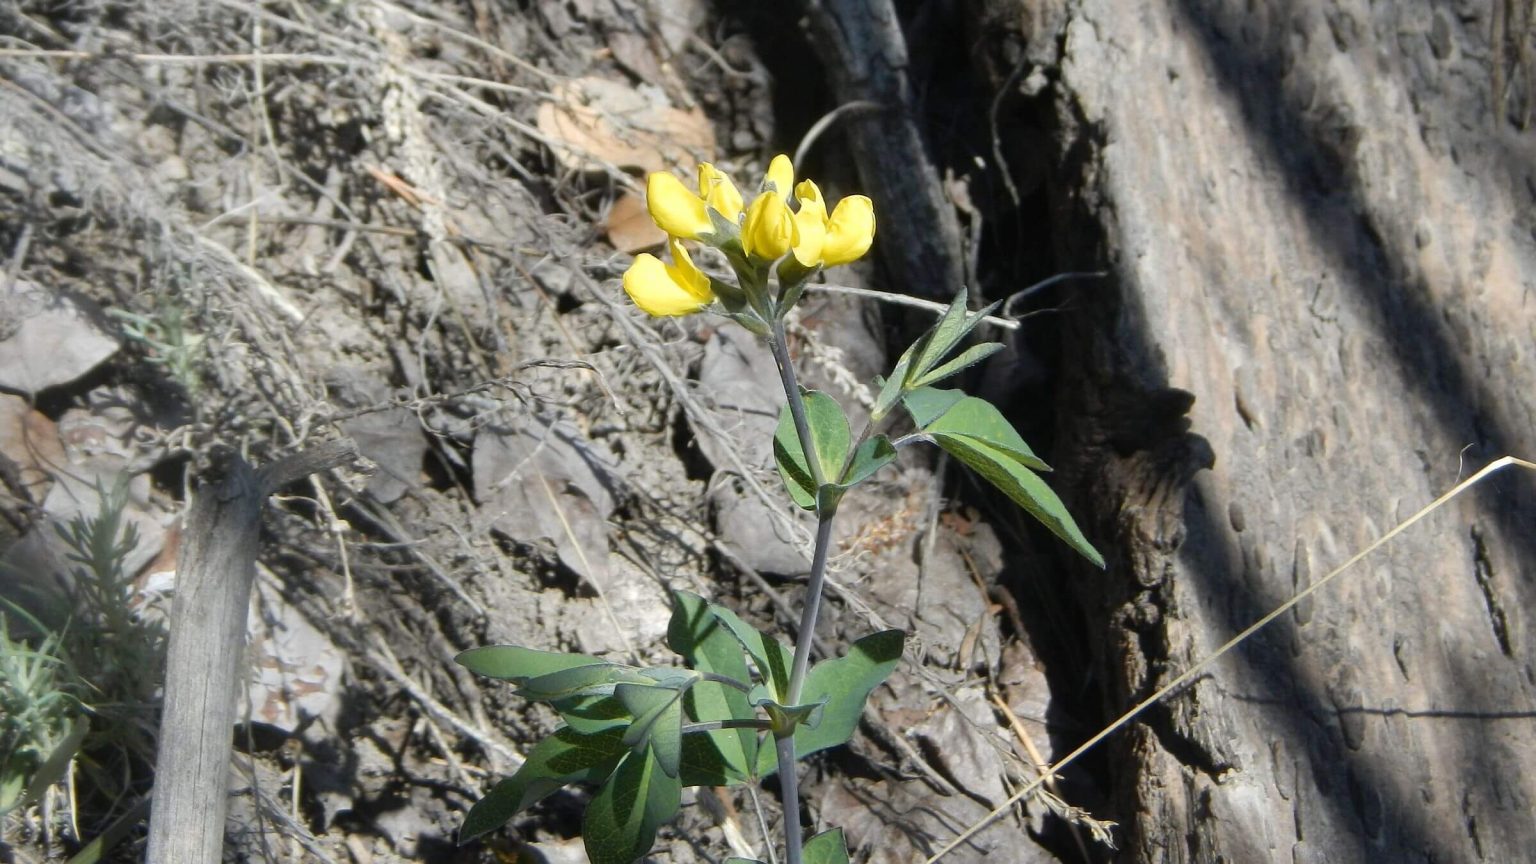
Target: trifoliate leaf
844,683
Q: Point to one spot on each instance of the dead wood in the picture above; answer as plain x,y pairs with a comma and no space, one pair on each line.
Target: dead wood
207,647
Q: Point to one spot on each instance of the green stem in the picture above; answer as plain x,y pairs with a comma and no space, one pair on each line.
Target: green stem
784,746
813,592
789,783
780,347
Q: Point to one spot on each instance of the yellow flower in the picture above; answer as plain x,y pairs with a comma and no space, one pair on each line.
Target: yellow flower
675,209
781,175
661,289
850,231
769,230
811,220
719,192
832,240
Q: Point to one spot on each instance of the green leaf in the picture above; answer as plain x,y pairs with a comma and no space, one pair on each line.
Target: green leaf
891,388
942,339
830,437
589,714
1003,470
927,404
828,847
967,358
597,679
621,821
704,764
786,717
844,684
567,756
516,664
953,416
872,455
658,722
772,657
703,641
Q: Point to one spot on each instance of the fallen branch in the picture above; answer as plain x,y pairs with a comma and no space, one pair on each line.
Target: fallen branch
207,648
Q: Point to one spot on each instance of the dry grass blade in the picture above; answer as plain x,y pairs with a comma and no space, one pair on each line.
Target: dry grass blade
1197,669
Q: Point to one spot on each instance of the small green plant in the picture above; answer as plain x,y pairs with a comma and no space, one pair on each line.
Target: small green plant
167,340
40,726
80,688
642,734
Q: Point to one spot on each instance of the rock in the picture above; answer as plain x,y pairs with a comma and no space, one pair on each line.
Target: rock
47,338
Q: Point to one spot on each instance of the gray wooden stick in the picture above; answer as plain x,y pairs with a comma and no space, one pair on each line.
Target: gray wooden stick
215,570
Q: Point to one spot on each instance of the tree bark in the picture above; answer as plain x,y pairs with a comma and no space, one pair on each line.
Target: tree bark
1318,220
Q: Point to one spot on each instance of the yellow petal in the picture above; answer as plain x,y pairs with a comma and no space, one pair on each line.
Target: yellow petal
687,275
811,221
719,192
676,210
850,231
653,287
781,175
769,230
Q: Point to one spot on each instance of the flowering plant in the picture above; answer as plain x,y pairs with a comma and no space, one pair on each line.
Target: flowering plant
645,733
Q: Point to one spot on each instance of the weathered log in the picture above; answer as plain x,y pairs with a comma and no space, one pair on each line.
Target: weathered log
861,44
215,571
1319,224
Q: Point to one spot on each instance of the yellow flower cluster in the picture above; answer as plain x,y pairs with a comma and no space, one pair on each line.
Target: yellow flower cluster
764,232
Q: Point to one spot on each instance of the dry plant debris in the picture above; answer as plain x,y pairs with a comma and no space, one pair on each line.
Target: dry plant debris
384,220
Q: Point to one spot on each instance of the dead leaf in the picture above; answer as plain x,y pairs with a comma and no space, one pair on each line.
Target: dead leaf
630,227
543,482
604,122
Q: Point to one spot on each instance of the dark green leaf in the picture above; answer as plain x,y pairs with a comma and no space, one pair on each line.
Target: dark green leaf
844,684
658,722
1003,470
872,455
830,437
967,358
592,713
516,663
621,821
772,657
567,756
704,764
828,847
952,415
703,641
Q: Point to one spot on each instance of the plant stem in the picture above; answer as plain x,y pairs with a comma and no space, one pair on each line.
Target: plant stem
789,784
784,747
777,343
813,592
